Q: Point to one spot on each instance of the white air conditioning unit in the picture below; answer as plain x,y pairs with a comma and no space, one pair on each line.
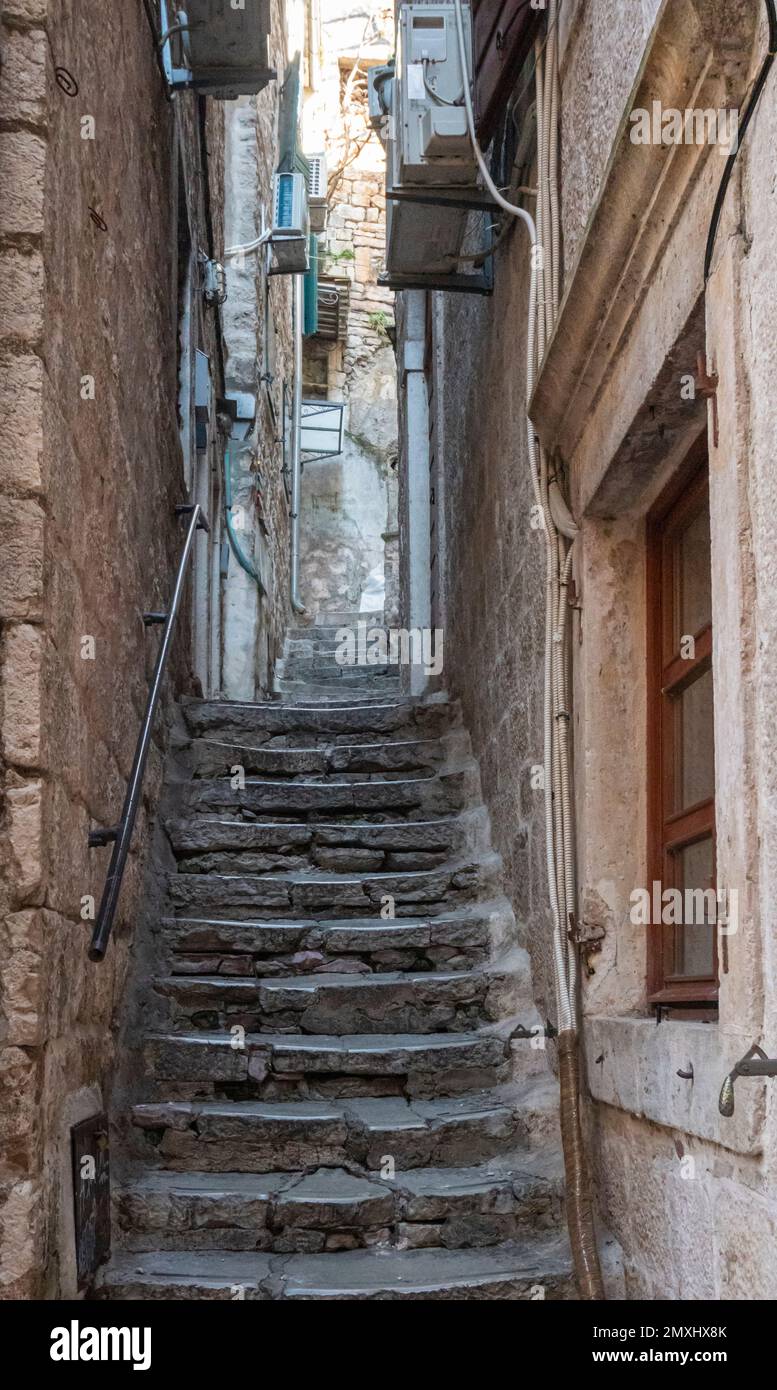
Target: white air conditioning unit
434,143
428,146
219,48
317,192
290,232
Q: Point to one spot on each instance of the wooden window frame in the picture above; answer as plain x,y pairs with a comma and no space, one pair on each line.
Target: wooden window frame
669,830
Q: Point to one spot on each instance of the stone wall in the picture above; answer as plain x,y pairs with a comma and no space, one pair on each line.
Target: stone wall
493,574
258,332
346,539
90,470
688,1194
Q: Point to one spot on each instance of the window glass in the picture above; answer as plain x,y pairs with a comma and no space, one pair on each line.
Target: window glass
693,607
694,778
694,939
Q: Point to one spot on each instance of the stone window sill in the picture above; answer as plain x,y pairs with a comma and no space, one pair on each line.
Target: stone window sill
632,1065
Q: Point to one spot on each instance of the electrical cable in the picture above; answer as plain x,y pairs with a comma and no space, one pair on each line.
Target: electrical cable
760,83
435,95
527,84
248,247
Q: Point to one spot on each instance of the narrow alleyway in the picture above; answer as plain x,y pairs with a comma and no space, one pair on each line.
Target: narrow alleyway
327,1099
437,965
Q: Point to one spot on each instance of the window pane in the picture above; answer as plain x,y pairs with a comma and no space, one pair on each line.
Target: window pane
694,940
693,609
694,778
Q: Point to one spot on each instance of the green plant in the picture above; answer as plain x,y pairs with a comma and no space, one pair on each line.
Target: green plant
379,322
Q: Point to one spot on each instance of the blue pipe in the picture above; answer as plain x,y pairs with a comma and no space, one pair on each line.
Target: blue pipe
239,553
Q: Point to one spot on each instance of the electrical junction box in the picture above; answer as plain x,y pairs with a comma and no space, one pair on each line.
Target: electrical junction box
431,130
214,282
224,45
290,233
317,191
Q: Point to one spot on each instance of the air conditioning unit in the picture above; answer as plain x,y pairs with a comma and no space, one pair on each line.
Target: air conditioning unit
317,192
432,133
289,237
218,48
428,149
380,83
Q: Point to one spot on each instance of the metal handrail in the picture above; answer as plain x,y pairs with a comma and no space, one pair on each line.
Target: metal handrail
121,835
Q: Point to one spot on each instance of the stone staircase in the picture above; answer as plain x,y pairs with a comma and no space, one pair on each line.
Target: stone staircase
309,669
330,1092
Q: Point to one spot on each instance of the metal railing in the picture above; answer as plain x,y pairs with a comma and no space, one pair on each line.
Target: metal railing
121,835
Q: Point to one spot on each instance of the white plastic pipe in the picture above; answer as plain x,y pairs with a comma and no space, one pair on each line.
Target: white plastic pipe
296,446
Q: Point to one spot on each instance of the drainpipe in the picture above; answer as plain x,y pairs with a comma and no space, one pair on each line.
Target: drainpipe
416,508
296,444
215,593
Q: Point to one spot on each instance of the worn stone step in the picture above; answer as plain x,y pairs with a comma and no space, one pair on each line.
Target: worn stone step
221,845
395,719
328,667
285,1212
435,794
336,1208
277,1066
458,939
330,624
401,1002
318,648
258,1136
537,1267
329,632
325,894
300,694
332,679
213,757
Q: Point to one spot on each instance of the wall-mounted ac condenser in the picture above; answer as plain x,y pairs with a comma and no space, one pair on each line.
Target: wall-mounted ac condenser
431,131
380,84
290,233
317,192
429,146
220,49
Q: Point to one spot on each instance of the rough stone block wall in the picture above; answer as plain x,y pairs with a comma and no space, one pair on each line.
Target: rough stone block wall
90,470
347,532
254,629
494,581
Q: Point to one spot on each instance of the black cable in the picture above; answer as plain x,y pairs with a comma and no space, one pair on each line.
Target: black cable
766,66
148,7
202,122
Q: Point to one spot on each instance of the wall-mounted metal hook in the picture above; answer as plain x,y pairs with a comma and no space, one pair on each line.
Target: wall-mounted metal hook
754,1063
686,1075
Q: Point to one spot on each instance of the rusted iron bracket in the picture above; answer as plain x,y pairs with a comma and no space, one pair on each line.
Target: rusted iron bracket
588,939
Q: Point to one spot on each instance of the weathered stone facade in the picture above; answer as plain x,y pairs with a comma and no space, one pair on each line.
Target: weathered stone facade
347,501
678,1183
492,611
91,471
259,362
